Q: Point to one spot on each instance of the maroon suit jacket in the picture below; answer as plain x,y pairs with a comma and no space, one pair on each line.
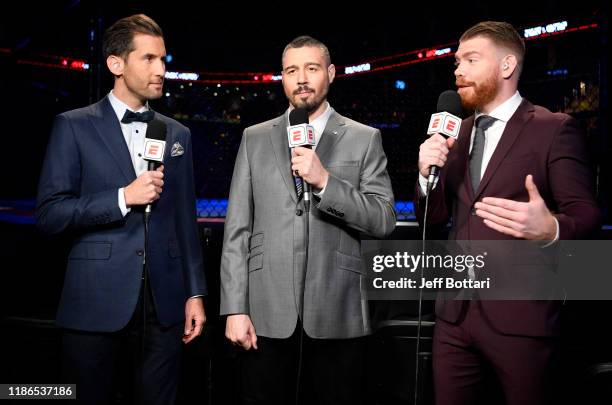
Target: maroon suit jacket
547,145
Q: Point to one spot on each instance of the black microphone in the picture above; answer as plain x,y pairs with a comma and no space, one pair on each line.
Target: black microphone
446,122
301,134
154,147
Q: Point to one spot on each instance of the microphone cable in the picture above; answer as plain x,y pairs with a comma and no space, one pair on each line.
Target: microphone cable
420,301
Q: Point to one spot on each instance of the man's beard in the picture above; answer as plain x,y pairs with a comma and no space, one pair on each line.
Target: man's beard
309,105
481,94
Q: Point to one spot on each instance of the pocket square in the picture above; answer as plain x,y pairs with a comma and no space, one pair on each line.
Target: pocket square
177,150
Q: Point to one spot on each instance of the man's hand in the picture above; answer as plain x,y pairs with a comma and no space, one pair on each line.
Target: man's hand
306,164
434,152
145,189
240,331
524,220
195,317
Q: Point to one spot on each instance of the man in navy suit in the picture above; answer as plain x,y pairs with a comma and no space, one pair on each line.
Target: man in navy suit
516,171
94,187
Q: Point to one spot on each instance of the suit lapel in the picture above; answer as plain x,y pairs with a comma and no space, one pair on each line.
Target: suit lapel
171,139
464,184
333,132
280,145
513,129
105,121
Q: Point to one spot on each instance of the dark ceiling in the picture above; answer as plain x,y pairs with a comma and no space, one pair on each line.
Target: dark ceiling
231,36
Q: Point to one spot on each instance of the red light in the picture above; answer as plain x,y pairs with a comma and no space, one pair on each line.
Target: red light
255,77
420,55
75,64
266,78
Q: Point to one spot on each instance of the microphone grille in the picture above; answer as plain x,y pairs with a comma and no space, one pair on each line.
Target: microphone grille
156,129
298,116
450,101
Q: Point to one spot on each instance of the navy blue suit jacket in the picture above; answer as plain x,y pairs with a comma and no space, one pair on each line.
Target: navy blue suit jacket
87,161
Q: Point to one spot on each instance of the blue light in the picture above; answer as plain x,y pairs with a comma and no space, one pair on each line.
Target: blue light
22,211
557,72
217,208
169,58
405,210
400,84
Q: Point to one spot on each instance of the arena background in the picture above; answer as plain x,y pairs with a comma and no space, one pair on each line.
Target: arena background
401,56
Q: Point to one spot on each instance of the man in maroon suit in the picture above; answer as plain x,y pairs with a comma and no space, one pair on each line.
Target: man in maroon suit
516,171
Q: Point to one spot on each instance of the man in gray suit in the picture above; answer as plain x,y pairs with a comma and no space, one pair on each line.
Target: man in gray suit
282,299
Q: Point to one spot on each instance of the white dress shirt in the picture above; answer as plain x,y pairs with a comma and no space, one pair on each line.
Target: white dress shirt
320,123
134,135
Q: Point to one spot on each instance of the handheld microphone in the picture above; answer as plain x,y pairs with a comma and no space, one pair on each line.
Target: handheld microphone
301,134
154,147
446,122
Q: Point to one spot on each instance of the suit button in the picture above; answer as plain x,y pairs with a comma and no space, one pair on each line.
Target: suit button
473,212
299,212
140,252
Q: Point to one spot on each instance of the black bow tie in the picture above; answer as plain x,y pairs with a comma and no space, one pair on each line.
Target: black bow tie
131,116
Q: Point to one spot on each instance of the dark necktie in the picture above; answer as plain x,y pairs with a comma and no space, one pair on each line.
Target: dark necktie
131,116
482,124
299,183
299,187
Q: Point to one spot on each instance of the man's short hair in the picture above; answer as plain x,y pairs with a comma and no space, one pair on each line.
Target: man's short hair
306,40
118,38
502,34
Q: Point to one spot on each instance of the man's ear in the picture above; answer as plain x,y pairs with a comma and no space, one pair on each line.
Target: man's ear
331,72
115,65
509,65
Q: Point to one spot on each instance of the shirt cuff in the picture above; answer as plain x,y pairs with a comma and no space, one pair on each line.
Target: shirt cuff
121,200
195,296
423,184
556,234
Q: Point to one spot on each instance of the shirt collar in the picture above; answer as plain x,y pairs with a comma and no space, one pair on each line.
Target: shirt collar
320,122
119,106
505,110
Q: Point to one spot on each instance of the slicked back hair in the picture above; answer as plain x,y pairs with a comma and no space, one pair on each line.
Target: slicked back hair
119,37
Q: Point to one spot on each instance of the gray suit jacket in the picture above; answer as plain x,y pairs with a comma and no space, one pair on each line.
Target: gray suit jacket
263,260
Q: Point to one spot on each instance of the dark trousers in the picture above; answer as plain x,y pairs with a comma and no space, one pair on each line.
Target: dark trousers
332,371
522,364
122,367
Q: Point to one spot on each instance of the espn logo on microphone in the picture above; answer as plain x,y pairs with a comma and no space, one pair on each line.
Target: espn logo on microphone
301,135
444,123
154,150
